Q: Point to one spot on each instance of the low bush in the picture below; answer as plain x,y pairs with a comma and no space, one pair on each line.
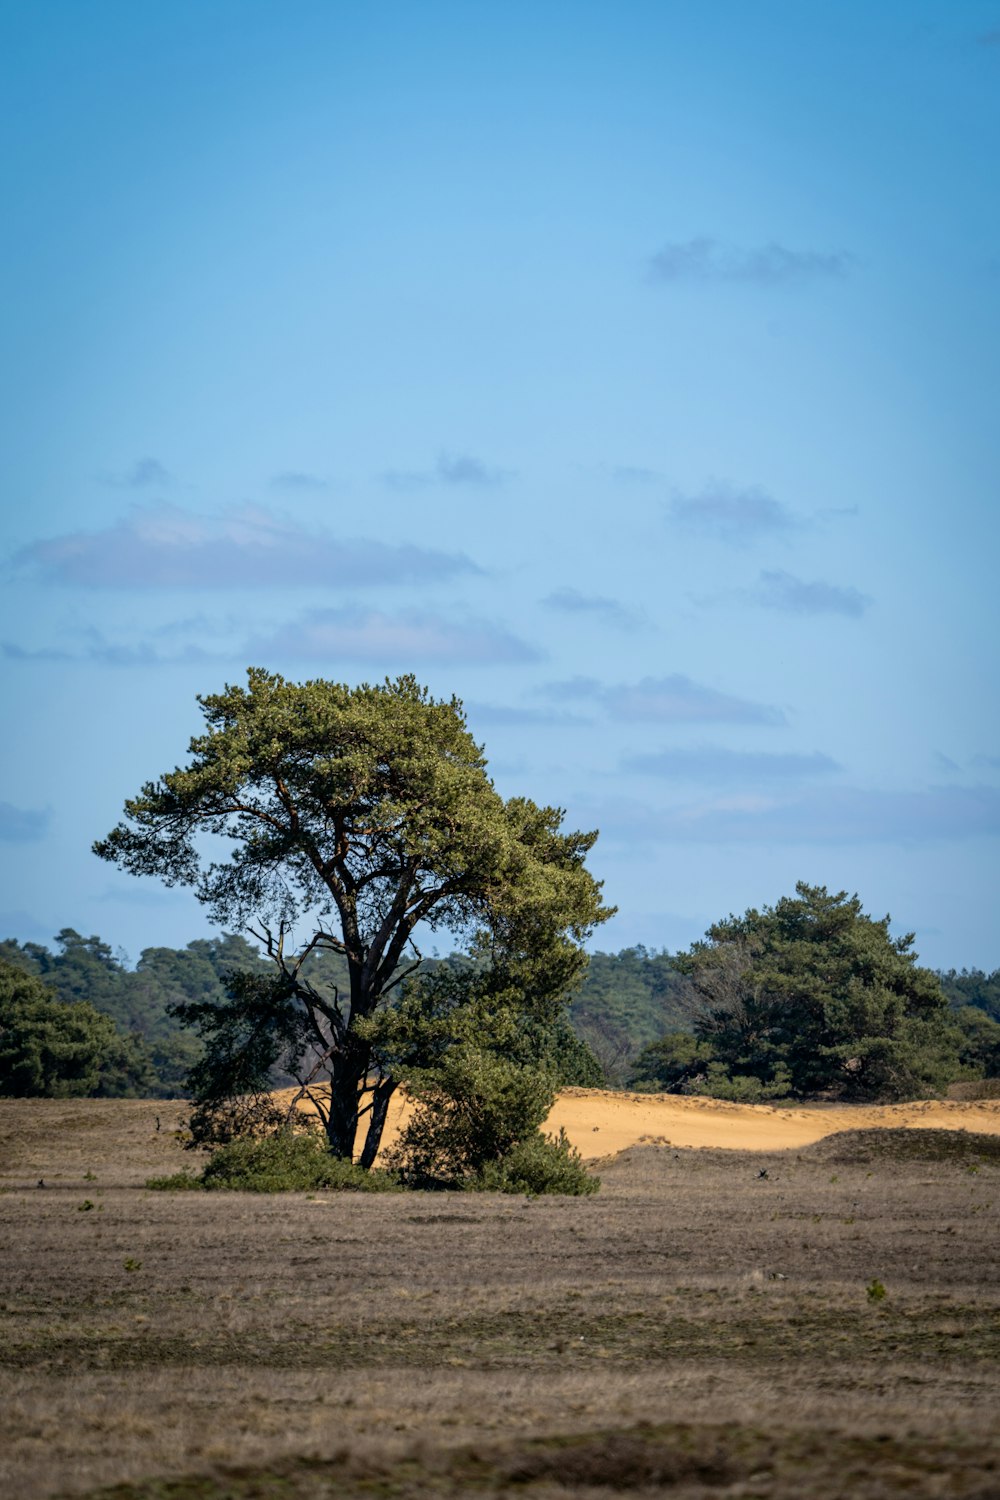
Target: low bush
287,1163
283,1163
177,1182
540,1164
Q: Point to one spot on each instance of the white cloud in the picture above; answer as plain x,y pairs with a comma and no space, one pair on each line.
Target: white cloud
167,547
350,634
677,699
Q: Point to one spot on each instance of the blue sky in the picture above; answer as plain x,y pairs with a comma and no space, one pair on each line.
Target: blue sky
631,370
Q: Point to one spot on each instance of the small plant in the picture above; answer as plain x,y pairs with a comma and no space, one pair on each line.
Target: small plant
131,1264
876,1291
85,1206
177,1182
90,1176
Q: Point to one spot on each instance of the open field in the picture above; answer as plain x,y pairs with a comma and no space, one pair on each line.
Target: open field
697,1328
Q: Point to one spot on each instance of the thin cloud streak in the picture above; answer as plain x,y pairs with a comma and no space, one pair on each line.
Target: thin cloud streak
636,474
299,480
109,654
166,547
731,514
828,816
459,469
674,699
22,825
607,611
708,260
501,716
349,634
145,473
780,590
677,699
715,765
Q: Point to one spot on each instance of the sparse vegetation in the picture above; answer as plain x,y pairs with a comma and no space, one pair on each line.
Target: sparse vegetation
258,1347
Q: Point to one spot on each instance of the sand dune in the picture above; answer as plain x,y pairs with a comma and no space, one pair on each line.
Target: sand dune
600,1123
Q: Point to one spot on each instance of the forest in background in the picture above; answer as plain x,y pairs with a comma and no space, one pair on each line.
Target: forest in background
625,1003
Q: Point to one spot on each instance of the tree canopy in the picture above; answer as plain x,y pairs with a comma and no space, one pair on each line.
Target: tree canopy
809,997
363,817
61,1049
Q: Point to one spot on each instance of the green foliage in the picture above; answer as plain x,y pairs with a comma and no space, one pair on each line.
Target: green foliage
176,1182
570,1058
717,1082
875,1291
472,1109
979,1047
672,1065
539,1164
140,1003
365,812
624,1002
476,1126
973,987
287,1163
812,997
255,1029
54,1049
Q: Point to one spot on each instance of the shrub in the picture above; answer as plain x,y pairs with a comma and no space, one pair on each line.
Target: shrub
283,1163
287,1163
177,1182
541,1164
471,1111
741,1088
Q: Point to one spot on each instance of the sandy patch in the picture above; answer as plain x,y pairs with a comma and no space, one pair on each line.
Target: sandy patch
602,1123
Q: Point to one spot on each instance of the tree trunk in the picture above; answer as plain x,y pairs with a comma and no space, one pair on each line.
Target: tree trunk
347,1077
381,1094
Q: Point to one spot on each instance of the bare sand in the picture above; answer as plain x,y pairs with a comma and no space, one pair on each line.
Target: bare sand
600,1123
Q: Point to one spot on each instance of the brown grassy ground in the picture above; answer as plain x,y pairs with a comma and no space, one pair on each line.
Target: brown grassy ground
696,1328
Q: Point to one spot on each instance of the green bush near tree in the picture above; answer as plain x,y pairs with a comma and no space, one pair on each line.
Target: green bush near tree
477,1125
287,1162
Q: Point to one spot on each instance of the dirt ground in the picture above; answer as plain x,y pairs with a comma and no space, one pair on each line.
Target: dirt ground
821,1320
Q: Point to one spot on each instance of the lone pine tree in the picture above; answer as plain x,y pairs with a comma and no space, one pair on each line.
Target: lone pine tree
363,817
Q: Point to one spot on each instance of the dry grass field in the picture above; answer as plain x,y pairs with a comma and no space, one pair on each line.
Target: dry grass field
709,1324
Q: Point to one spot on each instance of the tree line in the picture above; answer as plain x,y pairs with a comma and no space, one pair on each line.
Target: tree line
633,1020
